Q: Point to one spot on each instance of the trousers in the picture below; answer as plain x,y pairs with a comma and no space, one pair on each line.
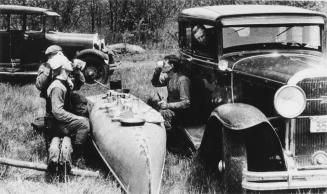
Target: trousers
77,129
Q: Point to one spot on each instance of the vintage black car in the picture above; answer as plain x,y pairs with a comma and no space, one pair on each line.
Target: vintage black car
26,32
259,80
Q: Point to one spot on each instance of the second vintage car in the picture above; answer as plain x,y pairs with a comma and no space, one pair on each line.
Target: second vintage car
260,87
26,32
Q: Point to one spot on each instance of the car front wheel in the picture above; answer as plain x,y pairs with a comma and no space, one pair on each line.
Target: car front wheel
96,70
233,162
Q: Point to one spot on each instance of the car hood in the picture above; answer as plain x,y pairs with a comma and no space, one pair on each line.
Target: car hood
278,67
72,39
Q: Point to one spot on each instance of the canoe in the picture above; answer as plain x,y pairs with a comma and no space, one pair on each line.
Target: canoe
131,142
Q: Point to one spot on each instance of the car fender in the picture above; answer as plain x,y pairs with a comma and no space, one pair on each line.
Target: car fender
238,116
92,52
263,146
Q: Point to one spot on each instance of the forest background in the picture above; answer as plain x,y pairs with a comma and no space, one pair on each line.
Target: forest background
150,23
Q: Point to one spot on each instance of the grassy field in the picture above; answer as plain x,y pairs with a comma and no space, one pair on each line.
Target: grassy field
20,104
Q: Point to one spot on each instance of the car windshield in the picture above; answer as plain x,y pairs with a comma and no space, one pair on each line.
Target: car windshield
52,23
238,38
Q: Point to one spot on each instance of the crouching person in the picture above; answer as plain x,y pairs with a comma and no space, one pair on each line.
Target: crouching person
63,122
176,109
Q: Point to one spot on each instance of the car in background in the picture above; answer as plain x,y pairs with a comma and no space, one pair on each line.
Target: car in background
259,79
26,32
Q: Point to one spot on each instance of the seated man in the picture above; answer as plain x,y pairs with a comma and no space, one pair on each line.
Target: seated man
176,109
62,122
46,75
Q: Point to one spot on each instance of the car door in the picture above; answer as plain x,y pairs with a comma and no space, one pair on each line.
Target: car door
34,40
4,38
16,37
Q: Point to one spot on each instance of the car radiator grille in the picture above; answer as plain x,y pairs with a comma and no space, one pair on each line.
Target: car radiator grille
306,143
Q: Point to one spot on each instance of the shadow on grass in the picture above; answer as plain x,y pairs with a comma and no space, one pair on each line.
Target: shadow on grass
201,179
18,79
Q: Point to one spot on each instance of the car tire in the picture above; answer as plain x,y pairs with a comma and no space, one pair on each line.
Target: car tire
233,162
95,69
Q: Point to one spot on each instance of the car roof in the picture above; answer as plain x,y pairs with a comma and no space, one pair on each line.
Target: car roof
216,12
26,9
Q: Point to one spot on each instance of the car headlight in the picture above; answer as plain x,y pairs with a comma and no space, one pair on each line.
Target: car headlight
290,101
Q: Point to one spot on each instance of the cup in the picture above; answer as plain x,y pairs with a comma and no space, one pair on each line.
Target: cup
125,90
135,105
115,84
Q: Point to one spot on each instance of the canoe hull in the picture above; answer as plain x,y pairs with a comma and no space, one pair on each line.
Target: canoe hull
134,154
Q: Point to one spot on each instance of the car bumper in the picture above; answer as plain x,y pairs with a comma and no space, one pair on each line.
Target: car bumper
284,180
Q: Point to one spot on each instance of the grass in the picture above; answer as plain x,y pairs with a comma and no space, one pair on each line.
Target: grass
20,104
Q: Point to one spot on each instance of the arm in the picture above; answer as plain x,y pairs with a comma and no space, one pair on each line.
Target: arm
184,93
43,77
79,79
156,80
57,96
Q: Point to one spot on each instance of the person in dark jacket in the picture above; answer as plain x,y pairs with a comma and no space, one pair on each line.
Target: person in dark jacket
167,73
176,109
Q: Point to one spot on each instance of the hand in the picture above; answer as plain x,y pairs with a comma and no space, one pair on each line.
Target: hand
163,77
160,64
70,83
163,104
78,64
216,100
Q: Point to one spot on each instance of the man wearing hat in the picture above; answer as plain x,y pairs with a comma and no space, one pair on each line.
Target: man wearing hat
47,73
64,122
176,108
44,75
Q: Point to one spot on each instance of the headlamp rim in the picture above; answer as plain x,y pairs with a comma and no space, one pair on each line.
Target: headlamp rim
290,86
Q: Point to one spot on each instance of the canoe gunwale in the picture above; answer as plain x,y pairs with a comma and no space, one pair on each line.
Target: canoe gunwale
110,168
116,176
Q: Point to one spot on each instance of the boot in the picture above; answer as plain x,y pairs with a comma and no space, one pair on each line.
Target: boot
65,159
54,153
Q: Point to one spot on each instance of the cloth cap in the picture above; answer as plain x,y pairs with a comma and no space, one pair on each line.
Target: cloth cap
52,49
60,61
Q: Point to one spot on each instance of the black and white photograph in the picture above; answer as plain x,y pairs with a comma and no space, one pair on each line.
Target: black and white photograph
163,96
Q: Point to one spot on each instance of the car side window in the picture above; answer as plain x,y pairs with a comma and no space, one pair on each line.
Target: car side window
3,22
16,22
186,36
33,22
204,40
